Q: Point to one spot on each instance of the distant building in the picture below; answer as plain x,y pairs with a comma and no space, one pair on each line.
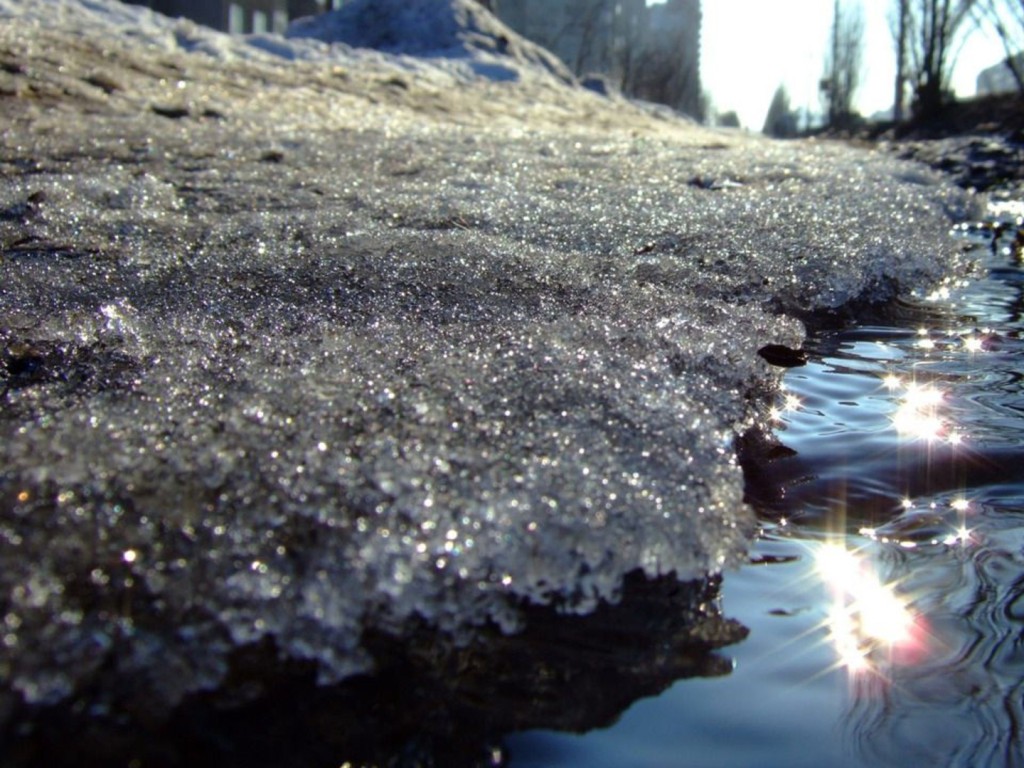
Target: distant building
999,78
241,16
297,8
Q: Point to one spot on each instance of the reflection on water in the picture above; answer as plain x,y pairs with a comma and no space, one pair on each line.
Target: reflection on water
918,414
869,623
927,584
960,702
429,702
885,597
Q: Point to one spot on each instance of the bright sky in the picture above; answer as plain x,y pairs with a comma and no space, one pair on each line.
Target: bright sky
750,47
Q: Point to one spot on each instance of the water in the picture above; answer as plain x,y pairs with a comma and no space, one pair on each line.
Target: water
885,596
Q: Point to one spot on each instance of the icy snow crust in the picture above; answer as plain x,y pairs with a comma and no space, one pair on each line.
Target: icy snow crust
452,29
340,345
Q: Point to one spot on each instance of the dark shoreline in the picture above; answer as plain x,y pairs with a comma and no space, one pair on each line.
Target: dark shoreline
430,703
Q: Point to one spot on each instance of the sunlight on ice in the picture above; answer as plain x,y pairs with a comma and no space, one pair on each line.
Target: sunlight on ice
790,403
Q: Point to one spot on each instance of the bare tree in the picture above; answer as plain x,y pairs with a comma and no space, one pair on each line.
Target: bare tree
728,119
592,45
935,30
667,76
781,120
1006,17
629,51
899,25
843,63
592,39
613,40
667,70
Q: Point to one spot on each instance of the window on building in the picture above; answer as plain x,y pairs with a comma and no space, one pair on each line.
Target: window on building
236,19
259,22
280,22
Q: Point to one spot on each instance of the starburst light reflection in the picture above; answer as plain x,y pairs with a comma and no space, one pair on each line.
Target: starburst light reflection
790,403
892,382
867,619
973,343
961,536
918,413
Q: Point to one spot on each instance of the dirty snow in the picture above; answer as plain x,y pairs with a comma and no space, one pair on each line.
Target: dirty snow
300,346
452,29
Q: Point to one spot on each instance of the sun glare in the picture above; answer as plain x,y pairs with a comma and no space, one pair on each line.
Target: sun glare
917,414
866,615
973,343
892,382
790,404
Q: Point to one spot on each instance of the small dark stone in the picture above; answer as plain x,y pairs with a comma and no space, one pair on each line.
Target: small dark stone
12,67
32,246
711,183
272,156
783,356
779,451
772,560
104,82
174,113
23,211
599,84
24,361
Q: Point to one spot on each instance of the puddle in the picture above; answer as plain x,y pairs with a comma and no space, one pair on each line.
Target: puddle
884,598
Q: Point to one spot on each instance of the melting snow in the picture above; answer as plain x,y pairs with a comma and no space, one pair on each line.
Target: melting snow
301,339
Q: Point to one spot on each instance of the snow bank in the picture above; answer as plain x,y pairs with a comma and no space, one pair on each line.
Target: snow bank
432,28
456,38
